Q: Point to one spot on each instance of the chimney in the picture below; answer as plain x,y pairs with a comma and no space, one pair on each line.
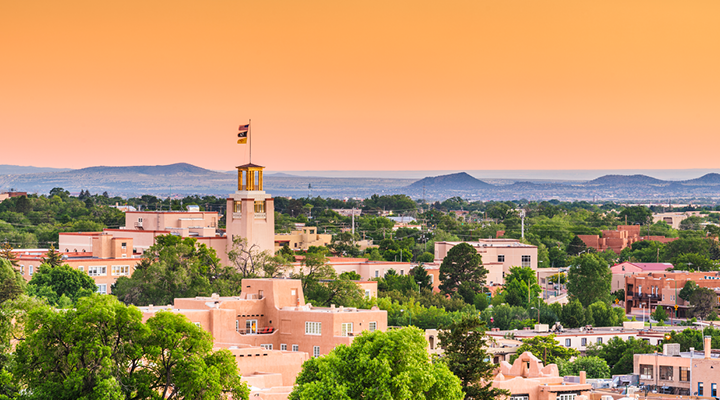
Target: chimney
708,344
582,377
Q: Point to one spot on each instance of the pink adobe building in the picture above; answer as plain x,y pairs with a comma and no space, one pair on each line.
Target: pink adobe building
647,290
680,373
109,261
251,215
620,271
617,240
271,313
498,256
528,379
362,266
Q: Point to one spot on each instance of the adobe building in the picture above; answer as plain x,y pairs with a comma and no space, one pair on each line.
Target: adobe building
528,379
648,290
251,215
498,256
620,271
302,239
680,373
617,240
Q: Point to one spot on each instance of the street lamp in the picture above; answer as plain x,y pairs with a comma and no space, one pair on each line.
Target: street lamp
538,313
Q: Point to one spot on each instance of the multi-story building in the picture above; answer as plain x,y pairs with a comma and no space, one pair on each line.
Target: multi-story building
680,373
498,256
648,290
272,314
302,239
251,215
620,271
617,240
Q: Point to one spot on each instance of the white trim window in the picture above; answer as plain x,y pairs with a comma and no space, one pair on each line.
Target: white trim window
313,328
368,293
283,347
30,270
267,346
372,326
501,257
346,329
568,342
526,261
316,351
295,348
566,396
102,288
81,268
120,270
199,325
97,270
22,270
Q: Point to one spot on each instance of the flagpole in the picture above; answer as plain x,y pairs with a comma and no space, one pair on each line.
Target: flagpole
250,138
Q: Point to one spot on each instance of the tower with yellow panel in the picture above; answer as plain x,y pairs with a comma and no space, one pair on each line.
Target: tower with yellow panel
251,211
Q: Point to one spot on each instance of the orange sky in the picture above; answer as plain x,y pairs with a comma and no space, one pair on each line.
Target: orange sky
362,84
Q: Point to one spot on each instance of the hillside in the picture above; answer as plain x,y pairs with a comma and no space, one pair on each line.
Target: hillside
707,179
626,180
458,181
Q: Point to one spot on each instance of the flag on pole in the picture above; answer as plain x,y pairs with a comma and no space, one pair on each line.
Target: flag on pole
243,134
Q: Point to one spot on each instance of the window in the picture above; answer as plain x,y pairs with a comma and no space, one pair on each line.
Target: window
295,347
118,270
432,279
377,274
568,342
123,245
402,272
368,293
81,268
102,289
237,326
372,326
313,328
520,397
22,269
646,371
30,270
713,390
566,396
346,329
599,340
97,271
259,206
525,261
701,389
316,351
139,219
238,206
666,373
197,324
684,374
267,346
283,347
251,326
501,257
583,342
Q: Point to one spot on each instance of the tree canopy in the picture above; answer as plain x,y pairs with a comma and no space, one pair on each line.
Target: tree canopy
462,272
378,365
547,349
589,279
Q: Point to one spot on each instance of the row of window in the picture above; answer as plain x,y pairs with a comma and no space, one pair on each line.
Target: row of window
647,371
117,270
525,261
295,348
346,328
583,342
701,389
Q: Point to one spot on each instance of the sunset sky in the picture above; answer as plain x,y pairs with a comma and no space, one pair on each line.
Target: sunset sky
362,84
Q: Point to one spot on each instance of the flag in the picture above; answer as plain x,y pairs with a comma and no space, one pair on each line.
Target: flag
243,133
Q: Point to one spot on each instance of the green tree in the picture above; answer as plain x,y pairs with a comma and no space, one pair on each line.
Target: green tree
54,283
378,365
12,284
573,314
339,291
703,301
619,353
636,215
547,349
102,350
176,267
313,268
589,279
576,246
659,314
53,258
7,253
595,367
421,277
688,290
465,352
461,272
695,262
603,315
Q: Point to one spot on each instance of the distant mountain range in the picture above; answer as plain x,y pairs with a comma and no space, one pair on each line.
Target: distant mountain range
184,179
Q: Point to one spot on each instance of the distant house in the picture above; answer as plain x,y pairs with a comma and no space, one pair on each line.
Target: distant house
617,240
620,271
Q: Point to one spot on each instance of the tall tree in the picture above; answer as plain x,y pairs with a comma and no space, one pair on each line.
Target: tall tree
422,278
53,258
688,290
462,272
619,353
595,367
703,301
546,348
53,283
7,253
378,365
12,284
102,350
589,279
465,352
576,246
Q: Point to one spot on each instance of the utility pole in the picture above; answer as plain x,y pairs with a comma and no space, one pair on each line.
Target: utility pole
522,223
353,226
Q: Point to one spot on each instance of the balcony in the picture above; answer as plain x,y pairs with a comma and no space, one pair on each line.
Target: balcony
260,215
267,330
